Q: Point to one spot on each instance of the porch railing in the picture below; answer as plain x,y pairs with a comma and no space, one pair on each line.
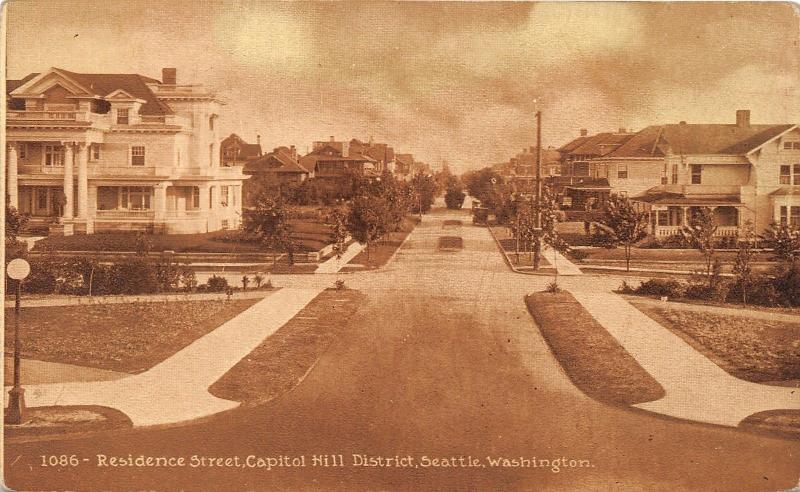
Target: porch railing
666,231
125,214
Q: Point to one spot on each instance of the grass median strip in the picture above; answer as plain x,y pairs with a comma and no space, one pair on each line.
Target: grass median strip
126,337
283,359
595,362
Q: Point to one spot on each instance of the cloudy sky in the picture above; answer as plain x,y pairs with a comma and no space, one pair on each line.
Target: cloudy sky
454,81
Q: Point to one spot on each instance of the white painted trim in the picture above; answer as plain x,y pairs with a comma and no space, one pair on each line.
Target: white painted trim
793,127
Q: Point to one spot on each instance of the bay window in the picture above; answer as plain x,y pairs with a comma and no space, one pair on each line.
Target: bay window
54,155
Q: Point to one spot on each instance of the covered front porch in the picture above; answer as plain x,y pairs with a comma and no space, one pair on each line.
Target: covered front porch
669,220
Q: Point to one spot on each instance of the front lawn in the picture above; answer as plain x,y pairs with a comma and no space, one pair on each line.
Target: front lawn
283,359
750,348
308,235
125,337
593,359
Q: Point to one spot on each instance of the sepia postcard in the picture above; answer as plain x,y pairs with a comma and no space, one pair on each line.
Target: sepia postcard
401,246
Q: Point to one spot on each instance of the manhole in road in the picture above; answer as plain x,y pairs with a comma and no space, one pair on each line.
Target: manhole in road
450,243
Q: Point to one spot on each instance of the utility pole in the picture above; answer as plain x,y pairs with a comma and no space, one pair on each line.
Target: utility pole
537,247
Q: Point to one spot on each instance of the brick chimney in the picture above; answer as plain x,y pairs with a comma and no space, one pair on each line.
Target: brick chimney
169,76
584,132
743,118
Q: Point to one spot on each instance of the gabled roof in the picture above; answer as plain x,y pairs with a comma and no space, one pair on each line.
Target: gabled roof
275,162
245,150
407,159
655,141
658,195
600,144
573,144
103,84
11,85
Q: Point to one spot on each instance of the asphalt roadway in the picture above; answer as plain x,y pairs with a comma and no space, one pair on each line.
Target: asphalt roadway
443,363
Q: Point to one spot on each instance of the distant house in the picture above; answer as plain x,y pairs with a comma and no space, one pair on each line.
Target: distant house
403,165
381,153
236,152
520,170
279,167
332,160
580,183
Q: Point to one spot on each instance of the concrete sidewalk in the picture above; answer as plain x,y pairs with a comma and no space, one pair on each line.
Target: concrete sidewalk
177,389
334,264
696,388
562,265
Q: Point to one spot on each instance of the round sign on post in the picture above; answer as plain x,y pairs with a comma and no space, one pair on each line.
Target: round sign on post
18,269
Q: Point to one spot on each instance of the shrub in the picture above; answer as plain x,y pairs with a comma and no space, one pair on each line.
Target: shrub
553,287
134,276
626,288
339,284
676,241
454,198
258,279
268,285
217,284
650,242
661,287
787,282
577,254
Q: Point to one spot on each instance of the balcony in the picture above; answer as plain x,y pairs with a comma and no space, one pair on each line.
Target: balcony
55,116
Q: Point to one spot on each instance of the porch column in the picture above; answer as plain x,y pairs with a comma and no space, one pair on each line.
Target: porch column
83,181
160,202
204,199
12,189
683,216
69,157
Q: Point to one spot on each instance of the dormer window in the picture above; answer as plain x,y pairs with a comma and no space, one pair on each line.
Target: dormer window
122,116
791,145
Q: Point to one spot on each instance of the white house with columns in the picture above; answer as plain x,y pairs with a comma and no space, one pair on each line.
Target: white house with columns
102,152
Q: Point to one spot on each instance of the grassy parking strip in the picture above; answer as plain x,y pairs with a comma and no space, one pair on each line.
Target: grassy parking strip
283,359
594,361
126,337
383,250
754,349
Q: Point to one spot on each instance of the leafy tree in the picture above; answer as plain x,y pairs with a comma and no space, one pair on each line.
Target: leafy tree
338,222
784,239
269,222
454,198
548,233
15,222
367,220
523,228
742,266
481,183
623,225
700,233
424,188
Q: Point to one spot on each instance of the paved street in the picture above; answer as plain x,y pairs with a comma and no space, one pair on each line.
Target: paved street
444,361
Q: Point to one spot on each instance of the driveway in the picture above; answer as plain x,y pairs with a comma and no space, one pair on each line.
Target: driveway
444,361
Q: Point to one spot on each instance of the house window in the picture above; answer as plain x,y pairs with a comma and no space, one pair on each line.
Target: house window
137,155
211,122
94,152
135,197
195,197
790,175
791,145
697,174
225,225
223,192
663,217
674,174
22,151
794,218
210,197
580,168
41,198
622,170
664,175
54,155
122,116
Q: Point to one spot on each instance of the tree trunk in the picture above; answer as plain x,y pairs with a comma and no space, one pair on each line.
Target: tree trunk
537,246
627,257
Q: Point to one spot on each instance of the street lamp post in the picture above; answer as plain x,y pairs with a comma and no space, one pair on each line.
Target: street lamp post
17,269
538,203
